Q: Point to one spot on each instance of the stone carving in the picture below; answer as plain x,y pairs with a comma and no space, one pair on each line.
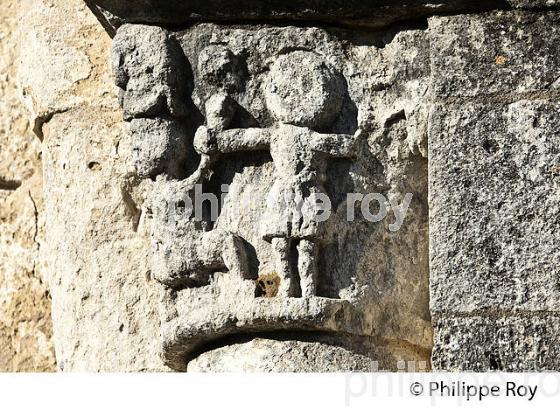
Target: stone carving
281,117
302,94
153,98
489,82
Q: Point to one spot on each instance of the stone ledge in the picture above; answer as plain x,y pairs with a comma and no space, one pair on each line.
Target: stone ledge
367,13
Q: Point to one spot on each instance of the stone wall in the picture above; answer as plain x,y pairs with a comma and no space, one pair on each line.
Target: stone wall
494,192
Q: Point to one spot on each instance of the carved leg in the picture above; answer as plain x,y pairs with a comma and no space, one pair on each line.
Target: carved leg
281,247
307,266
235,256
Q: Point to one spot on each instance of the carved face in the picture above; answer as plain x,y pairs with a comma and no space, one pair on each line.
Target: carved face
152,83
219,68
303,90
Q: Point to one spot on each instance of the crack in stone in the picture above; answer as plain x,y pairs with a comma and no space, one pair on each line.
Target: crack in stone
36,217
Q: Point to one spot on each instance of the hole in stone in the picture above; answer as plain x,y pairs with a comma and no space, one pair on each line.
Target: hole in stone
9,185
489,146
94,166
294,259
494,361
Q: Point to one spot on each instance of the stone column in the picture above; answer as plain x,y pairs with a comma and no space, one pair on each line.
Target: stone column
104,308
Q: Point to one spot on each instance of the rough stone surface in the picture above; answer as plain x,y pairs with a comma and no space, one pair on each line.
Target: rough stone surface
495,200
494,192
152,82
497,54
510,343
25,325
25,306
104,306
279,112
276,112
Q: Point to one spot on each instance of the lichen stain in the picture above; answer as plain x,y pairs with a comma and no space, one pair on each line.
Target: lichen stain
501,60
267,285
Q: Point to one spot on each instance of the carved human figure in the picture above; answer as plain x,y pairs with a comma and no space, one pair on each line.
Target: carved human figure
304,95
256,94
150,68
188,250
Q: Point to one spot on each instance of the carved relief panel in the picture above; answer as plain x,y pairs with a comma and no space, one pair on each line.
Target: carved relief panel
287,179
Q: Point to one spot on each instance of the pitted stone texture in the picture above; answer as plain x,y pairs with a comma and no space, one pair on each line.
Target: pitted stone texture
495,54
157,146
367,107
495,195
511,343
63,63
269,355
104,307
220,68
25,323
104,302
25,305
261,355
19,149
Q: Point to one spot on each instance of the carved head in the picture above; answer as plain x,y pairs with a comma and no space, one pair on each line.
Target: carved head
220,69
150,68
303,90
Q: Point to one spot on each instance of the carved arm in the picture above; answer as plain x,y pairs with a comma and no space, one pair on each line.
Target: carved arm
207,141
336,145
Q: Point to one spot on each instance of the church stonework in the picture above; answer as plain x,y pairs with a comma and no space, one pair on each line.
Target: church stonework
274,186
280,115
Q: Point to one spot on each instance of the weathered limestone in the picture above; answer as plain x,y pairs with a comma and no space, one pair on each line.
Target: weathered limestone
104,305
512,343
355,13
269,355
264,113
494,192
25,325
499,55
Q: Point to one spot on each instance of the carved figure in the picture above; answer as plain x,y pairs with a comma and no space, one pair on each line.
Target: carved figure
304,95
